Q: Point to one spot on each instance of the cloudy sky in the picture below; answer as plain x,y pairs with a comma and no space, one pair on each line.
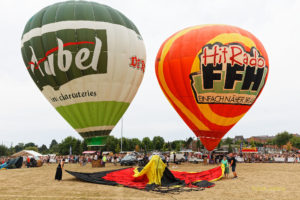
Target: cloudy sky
25,115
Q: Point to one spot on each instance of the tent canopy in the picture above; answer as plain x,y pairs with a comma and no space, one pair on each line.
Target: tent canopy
27,153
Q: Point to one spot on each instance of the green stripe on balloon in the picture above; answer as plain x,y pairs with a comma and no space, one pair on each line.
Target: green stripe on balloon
79,10
91,114
96,141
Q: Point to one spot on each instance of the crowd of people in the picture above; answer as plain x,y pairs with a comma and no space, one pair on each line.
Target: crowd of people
229,160
214,158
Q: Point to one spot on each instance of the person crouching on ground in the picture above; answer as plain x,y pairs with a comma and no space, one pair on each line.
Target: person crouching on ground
226,165
233,165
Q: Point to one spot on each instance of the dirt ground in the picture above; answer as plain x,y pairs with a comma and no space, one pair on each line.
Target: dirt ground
256,181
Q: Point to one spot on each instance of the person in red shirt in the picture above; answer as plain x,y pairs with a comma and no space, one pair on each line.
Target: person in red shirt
28,162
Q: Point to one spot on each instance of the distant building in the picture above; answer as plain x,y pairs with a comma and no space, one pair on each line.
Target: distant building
238,138
296,135
193,146
260,139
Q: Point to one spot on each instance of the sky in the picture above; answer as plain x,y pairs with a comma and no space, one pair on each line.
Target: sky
26,115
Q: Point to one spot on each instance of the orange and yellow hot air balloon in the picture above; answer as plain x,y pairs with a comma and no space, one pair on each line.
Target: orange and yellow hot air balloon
212,75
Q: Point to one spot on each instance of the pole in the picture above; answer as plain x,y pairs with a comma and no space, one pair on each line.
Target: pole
122,134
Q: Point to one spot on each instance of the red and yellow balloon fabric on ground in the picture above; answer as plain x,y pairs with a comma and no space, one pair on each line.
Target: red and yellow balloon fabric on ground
212,75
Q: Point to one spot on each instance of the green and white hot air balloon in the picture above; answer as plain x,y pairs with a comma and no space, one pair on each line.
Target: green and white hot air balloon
88,60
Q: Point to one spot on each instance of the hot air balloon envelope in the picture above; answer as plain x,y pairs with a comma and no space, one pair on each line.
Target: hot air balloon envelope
88,60
212,75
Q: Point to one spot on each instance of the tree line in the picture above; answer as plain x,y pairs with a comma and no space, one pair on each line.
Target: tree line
281,139
112,144
134,144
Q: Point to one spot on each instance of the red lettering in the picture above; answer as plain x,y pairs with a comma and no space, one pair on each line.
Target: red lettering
224,53
253,59
245,60
133,61
205,56
138,64
143,66
234,54
260,62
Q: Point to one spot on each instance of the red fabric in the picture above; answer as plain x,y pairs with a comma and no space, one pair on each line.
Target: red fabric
125,177
208,175
249,151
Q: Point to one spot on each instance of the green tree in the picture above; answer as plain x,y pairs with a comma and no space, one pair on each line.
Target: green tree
282,138
147,144
84,146
199,144
188,142
33,148
289,146
117,150
53,143
158,142
252,143
238,142
228,140
230,149
173,145
169,146
30,144
164,147
111,143
43,149
11,150
136,141
125,145
54,147
4,151
220,144
77,150
270,142
295,141
19,147
178,146
64,146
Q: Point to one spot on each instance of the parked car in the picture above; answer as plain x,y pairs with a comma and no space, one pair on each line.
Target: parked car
160,155
195,160
129,160
179,157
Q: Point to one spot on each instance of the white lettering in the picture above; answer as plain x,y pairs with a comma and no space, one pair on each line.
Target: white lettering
35,62
63,54
49,65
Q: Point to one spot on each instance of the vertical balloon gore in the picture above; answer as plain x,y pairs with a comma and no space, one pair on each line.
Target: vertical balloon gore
212,75
88,60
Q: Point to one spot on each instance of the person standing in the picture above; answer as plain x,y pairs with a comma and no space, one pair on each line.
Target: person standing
59,169
167,160
226,165
233,165
174,154
104,159
115,159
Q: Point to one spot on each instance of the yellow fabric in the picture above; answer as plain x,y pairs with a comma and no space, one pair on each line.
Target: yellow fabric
154,170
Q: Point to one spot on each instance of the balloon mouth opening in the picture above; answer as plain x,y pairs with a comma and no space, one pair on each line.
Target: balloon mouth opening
96,141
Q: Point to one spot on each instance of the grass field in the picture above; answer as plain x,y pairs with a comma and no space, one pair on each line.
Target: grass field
256,181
